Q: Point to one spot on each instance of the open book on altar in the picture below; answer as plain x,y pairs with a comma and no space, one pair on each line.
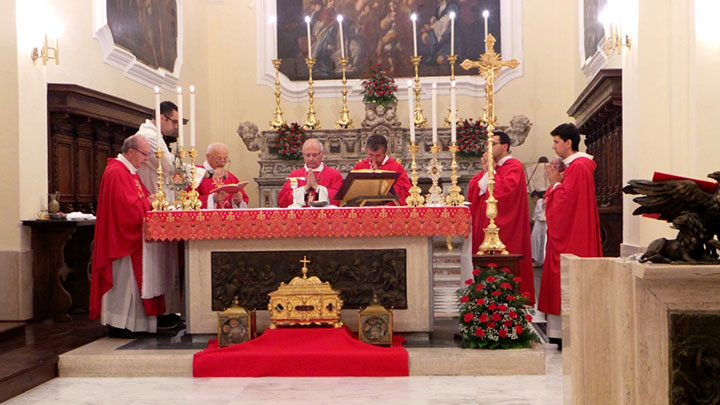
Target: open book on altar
705,185
229,188
367,187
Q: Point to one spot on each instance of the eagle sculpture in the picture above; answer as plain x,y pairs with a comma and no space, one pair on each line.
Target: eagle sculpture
691,210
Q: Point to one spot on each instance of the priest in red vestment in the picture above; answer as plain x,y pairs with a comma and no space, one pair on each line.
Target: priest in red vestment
513,216
216,174
573,225
377,159
314,182
117,273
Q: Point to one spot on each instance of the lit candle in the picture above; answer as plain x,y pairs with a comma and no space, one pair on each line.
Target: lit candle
413,17
273,28
157,116
434,113
486,14
452,33
453,123
342,43
192,116
411,109
180,118
307,21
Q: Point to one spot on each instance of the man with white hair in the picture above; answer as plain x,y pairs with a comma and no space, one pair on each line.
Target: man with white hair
216,175
315,181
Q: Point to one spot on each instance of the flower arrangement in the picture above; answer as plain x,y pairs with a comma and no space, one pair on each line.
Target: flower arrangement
471,138
289,142
379,87
492,312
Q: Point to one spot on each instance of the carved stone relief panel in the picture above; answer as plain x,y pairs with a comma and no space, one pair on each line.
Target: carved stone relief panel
695,357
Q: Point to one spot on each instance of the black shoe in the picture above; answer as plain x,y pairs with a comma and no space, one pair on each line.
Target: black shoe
168,321
119,333
556,341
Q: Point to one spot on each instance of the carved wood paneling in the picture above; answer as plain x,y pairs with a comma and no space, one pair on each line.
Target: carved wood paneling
85,128
598,113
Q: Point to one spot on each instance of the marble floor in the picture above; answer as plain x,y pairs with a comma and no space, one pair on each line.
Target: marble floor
507,390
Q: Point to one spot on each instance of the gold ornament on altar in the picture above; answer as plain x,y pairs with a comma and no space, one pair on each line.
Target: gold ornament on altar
235,325
375,324
305,301
489,67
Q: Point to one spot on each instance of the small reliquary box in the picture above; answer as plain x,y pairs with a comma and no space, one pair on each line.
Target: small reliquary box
375,324
235,325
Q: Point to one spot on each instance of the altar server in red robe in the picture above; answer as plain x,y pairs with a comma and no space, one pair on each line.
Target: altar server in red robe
117,273
314,182
377,159
513,216
217,174
573,225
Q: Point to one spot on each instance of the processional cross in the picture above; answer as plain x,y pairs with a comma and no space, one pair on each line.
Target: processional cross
489,66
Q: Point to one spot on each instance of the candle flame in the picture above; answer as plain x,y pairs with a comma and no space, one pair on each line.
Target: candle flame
192,89
452,83
157,90
434,85
413,17
340,18
410,83
452,15
307,19
273,19
486,14
179,90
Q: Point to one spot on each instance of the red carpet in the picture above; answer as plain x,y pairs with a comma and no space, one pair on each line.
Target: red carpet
303,352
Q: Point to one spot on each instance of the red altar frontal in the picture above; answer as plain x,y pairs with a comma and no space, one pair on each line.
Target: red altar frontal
310,231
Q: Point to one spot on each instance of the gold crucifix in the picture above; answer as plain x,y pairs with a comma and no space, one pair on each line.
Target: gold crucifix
490,66
305,262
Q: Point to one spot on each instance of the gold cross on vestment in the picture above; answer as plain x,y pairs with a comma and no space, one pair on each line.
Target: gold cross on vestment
489,67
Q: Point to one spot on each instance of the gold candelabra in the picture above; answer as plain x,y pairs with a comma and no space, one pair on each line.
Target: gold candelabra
454,197
311,122
160,204
448,119
344,121
418,118
490,65
277,120
192,202
415,199
434,169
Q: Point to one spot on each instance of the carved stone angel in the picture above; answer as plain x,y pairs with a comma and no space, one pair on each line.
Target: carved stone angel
693,211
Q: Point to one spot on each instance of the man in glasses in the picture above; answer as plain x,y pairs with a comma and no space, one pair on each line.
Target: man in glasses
513,216
169,121
117,265
314,182
217,174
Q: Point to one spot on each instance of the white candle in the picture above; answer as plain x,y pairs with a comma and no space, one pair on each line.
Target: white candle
411,109
413,17
273,28
157,116
486,14
342,43
453,123
434,113
307,21
452,33
192,116
180,118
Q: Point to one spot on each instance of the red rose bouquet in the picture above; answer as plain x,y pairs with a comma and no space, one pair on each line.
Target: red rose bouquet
379,87
471,138
289,142
493,312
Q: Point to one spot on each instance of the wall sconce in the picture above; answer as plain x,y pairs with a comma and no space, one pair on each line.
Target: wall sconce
610,17
44,52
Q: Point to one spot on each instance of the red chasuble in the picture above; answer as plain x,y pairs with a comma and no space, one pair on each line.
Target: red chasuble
122,204
513,217
328,177
207,185
573,226
402,185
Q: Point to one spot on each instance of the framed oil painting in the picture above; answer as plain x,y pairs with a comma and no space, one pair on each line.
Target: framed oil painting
592,37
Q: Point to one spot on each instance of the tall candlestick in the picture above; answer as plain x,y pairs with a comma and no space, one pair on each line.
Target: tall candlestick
273,28
413,17
307,22
157,116
180,118
452,33
192,116
453,119
486,14
434,113
411,110
342,43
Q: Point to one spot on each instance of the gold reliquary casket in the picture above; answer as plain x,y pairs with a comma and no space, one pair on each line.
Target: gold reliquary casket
305,301
235,325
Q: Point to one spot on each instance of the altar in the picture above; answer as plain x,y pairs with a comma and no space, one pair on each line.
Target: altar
362,251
